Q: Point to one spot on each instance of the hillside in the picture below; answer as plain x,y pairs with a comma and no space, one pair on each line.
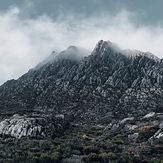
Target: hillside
100,105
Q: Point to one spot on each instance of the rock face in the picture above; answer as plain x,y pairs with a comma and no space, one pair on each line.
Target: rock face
36,126
107,85
137,129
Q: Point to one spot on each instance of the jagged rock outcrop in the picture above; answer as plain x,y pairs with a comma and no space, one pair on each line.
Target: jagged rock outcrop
137,129
35,125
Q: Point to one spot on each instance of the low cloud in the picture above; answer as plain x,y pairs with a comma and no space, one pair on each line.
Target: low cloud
25,41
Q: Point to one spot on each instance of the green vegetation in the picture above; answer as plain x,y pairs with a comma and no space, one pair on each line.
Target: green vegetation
83,144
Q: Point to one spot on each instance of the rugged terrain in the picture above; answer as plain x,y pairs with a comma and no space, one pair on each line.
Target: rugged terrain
100,106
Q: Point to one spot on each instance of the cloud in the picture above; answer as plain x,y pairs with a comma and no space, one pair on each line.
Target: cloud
25,41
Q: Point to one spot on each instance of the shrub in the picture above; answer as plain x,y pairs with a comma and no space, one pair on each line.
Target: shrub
103,157
124,159
35,149
33,144
56,156
136,159
117,141
111,155
157,149
76,152
45,158
45,146
90,149
92,157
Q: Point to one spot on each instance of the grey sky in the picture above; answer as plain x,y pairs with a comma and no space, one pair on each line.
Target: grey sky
151,11
31,29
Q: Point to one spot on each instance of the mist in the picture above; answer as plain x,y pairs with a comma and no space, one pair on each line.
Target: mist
26,41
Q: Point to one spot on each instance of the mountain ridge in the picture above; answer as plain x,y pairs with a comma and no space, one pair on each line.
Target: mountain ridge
109,69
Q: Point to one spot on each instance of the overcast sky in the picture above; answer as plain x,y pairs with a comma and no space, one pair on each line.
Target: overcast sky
31,29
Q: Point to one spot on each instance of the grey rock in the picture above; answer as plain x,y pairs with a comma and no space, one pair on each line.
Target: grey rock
29,126
149,115
126,120
161,125
133,137
158,134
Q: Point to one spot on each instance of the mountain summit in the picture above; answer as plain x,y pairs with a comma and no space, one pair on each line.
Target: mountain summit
106,45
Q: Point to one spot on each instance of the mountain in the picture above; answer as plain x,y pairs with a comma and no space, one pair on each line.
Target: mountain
108,76
119,90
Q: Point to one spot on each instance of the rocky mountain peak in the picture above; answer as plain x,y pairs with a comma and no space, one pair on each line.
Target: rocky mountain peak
73,53
72,48
49,59
103,46
136,53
